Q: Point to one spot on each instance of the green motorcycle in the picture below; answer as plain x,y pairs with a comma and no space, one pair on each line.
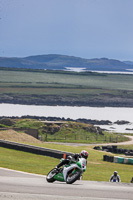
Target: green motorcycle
69,173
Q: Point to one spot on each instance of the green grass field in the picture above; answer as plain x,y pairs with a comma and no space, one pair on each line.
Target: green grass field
65,88
87,80
97,169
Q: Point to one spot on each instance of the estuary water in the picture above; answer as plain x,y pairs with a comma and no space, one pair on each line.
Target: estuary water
94,113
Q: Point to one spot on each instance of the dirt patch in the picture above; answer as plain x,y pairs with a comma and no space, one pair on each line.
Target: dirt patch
15,136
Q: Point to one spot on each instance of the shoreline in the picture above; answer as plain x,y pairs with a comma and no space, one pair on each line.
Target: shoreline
113,119
72,104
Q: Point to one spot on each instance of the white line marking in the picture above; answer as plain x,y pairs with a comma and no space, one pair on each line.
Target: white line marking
22,172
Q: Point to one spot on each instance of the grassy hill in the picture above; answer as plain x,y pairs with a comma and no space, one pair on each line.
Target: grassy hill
56,62
20,137
57,131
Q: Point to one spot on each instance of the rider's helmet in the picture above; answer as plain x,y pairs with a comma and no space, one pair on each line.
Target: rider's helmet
115,173
84,154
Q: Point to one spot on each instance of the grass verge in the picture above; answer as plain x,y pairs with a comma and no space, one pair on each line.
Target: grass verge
97,169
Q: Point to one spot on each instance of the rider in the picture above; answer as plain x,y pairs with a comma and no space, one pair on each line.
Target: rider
83,154
115,177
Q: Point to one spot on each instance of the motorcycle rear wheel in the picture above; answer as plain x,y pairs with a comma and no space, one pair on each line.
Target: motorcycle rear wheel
50,176
73,177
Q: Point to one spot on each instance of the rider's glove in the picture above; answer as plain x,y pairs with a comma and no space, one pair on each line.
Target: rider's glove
69,158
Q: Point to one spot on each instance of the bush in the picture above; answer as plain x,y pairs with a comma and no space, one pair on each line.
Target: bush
6,122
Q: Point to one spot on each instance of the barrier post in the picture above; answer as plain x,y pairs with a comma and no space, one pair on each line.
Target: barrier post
64,155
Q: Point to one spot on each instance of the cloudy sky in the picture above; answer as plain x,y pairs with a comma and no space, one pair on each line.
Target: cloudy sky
83,28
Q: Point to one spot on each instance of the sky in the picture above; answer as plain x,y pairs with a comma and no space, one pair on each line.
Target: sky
81,28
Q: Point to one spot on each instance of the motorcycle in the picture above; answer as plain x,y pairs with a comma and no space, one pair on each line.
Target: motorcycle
69,173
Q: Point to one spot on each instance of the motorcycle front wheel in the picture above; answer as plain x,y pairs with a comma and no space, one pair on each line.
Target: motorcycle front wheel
50,176
71,178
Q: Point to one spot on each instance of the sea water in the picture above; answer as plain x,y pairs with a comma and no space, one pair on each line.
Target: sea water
94,113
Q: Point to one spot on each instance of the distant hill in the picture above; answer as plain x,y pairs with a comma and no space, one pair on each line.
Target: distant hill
129,62
56,62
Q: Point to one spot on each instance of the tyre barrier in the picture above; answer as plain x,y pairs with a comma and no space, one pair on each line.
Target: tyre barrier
34,149
108,158
117,159
114,149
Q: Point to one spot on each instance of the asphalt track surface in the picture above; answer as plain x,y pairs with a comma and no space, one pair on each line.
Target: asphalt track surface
16,185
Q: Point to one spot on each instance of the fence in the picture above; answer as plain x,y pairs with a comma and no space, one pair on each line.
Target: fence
47,137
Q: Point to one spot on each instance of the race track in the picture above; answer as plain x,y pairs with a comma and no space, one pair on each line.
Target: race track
16,185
